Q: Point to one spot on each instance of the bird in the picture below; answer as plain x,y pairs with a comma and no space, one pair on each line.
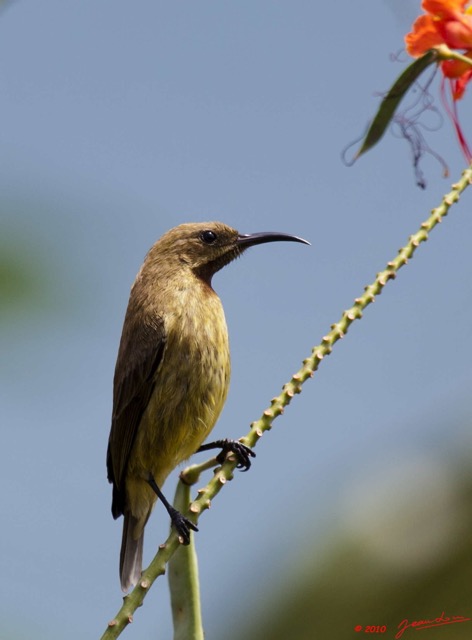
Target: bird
171,376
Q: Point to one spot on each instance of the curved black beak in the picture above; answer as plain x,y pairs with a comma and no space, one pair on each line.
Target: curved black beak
250,239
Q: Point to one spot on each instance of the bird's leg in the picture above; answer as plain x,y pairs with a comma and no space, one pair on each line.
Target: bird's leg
181,524
240,450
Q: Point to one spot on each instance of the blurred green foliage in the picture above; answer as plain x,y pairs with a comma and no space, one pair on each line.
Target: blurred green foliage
349,587
23,281
18,282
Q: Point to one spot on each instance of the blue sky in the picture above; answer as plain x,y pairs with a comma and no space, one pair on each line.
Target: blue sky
120,121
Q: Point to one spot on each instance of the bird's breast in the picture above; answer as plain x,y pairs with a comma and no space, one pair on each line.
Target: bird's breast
191,383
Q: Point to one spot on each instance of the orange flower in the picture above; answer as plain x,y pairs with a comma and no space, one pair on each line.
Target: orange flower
446,22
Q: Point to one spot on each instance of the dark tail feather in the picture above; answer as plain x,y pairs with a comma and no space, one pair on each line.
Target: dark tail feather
131,556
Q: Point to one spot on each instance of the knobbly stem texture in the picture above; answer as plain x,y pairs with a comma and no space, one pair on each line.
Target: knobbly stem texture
338,330
277,405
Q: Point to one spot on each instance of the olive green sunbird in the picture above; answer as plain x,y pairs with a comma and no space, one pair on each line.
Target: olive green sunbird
172,375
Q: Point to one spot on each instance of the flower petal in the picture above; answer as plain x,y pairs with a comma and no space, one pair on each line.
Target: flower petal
456,68
459,86
449,9
423,37
457,33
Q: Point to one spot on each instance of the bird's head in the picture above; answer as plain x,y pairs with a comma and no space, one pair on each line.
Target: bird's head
206,247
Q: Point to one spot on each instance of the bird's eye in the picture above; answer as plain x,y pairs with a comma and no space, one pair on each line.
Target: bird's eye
208,237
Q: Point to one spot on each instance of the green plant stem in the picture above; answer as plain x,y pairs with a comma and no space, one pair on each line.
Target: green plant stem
183,581
224,473
444,53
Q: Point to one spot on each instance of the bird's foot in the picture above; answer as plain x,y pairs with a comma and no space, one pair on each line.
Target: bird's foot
182,525
242,452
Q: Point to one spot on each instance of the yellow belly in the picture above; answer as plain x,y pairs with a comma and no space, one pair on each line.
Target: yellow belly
190,390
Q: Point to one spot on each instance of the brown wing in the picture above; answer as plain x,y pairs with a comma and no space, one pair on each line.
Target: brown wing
140,353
